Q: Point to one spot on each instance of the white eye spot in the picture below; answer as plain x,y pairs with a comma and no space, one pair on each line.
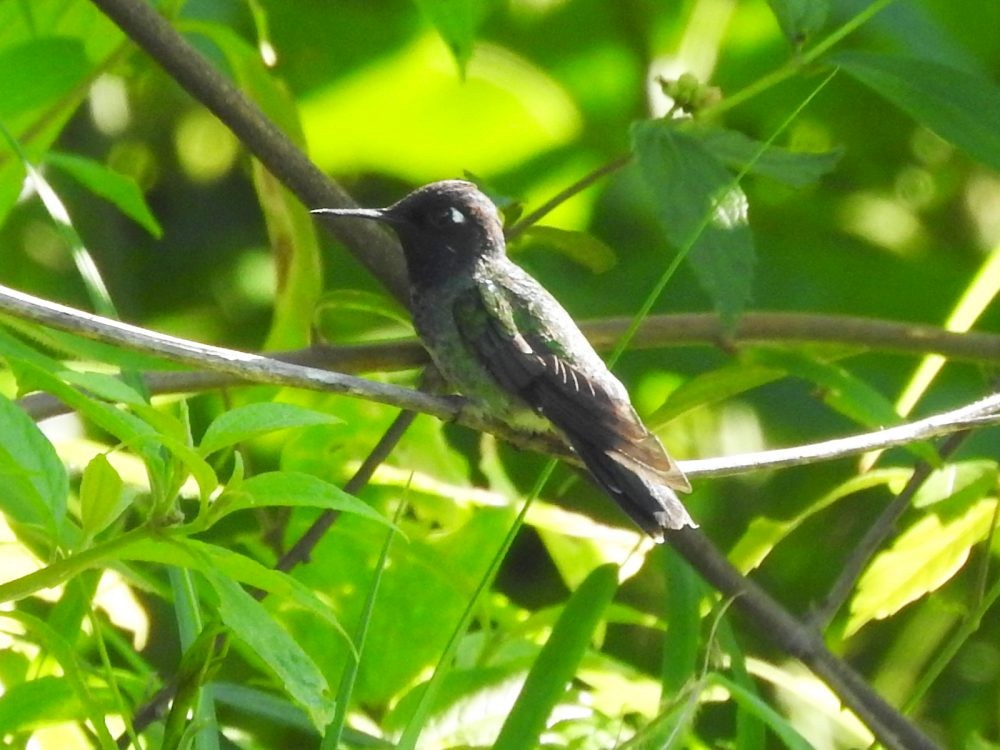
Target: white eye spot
447,217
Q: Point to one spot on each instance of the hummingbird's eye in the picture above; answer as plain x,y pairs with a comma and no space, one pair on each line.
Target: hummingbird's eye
445,218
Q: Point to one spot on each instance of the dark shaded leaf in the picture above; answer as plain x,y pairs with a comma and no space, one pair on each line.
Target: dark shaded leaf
960,107
457,22
800,19
581,247
795,168
700,206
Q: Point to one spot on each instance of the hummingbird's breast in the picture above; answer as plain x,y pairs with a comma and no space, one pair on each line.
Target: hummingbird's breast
433,312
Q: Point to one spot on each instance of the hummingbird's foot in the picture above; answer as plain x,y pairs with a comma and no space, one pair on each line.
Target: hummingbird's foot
463,409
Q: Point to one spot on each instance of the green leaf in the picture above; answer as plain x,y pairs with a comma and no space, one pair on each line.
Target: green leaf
713,386
922,559
699,206
102,498
457,22
108,387
456,123
960,107
375,304
125,426
200,556
333,735
681,644
251,701
756,706
842,391
36,703
956,482
33,481
292,489
12,348
750,730
35,74
558,660
252,420
94,704
800,19
296,672
737,151
191,710
113,186
580,247
763,534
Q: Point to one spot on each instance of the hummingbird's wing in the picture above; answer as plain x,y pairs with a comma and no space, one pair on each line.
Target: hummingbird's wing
594,413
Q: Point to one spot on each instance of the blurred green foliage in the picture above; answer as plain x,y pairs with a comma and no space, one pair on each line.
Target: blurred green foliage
867,186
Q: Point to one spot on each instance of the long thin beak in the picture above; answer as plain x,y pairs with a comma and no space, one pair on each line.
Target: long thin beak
378,214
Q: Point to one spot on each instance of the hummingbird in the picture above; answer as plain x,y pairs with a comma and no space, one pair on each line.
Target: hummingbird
504,342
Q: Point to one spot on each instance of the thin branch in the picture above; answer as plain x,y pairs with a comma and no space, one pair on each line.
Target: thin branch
375,248
247,366
564,195
984,412
657,331
792,327
260,369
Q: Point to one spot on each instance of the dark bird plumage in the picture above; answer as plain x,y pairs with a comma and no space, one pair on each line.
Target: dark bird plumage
504,342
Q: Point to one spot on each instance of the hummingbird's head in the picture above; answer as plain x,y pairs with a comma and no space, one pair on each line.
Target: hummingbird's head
444,228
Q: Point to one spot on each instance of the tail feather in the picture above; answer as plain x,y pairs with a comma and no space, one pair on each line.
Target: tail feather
639,491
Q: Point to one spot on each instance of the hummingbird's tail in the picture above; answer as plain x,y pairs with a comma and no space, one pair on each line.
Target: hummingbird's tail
638,489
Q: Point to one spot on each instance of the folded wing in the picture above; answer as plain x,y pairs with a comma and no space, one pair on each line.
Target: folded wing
593,413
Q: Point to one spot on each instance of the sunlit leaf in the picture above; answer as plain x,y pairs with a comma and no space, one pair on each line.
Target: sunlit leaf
250,421
94,704
37,703
108,387
35,73
203,557
347,315
757,707
922,559
291,230
458,124
842,390
956,482
33,481
682,613
125,426
713,386
763,533
101,495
